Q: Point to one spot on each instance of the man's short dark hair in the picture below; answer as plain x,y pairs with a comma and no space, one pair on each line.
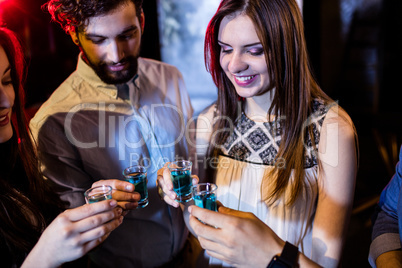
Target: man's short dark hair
74,14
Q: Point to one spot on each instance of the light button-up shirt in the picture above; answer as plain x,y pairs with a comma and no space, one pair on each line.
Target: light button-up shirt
86,132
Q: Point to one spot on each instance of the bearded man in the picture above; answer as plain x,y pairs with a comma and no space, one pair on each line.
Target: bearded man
114,111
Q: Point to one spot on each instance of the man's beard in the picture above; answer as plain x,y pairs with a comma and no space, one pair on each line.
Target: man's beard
111,77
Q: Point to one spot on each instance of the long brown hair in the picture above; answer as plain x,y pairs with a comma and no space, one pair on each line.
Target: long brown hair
279,26
19,231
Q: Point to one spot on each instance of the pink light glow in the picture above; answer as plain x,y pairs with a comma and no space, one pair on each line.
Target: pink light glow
3,6
3,2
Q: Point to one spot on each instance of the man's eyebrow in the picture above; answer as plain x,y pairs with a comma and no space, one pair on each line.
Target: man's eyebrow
89,35
248,45
94,35
129,29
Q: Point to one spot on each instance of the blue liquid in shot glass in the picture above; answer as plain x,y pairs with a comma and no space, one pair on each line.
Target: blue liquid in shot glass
182,183
205,200
139,179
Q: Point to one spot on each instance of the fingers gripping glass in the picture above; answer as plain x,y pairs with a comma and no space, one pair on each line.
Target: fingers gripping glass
180,173
204,195
137,175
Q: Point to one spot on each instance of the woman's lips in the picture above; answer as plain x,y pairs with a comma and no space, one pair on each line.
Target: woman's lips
244,80
4,120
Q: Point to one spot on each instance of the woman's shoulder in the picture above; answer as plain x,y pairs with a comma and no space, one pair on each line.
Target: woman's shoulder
206,117
330,112
209,111
338,128
205,122
330,123
336,115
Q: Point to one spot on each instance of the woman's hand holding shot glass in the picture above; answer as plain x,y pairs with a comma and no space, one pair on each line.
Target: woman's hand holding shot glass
75,232
166,188
237,237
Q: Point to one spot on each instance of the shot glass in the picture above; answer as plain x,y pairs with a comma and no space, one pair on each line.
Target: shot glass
98,193
137,175
180,173
204,195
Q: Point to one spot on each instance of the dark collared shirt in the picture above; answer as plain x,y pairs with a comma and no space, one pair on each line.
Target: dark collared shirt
87,131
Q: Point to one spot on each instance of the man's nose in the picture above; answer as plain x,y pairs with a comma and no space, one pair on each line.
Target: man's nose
115,52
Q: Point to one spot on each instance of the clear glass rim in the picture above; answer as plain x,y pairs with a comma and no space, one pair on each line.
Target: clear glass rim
140,168
184,164
107,189
213,186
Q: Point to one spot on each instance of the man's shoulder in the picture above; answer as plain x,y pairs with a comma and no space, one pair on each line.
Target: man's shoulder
147,65
61,100
152,62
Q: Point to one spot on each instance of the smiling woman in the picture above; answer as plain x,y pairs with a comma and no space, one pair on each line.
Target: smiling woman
32,232
282,153
243,60
6,98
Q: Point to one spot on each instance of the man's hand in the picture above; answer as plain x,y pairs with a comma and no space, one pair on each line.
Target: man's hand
123,192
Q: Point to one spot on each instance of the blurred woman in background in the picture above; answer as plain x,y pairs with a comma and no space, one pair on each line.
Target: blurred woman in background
32,232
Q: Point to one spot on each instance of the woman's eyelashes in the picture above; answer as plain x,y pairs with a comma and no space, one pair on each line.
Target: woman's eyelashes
226,49
6,80
251,51
256,51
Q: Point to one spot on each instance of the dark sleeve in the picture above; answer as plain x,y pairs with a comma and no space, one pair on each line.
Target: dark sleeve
385,236
61,164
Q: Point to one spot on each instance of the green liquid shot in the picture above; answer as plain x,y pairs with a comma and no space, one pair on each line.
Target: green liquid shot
98,197
139,180
205,200
182,183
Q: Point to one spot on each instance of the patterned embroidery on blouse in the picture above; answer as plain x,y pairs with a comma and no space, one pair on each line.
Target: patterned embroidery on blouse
259,142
